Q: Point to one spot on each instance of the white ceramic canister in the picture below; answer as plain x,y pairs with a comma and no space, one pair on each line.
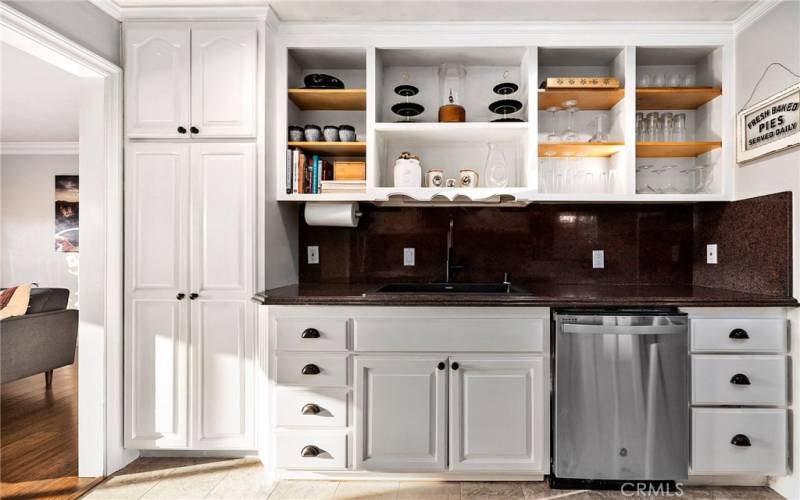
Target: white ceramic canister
407,171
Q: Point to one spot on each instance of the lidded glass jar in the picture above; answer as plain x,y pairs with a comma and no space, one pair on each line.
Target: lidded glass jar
452,79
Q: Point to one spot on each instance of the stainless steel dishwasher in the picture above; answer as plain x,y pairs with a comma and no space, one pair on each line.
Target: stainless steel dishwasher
621,406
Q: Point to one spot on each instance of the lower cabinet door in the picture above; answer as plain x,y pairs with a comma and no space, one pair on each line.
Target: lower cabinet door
400,413
222,386
497,414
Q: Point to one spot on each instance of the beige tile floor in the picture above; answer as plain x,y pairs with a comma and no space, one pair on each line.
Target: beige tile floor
234,479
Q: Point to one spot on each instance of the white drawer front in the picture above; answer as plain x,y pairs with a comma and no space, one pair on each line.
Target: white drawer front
763,334
449,334
714,429
311,408
738,380
332,450
332,369
311,334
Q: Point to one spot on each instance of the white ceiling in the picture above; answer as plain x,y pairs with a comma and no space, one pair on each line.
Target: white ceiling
38,101
485,10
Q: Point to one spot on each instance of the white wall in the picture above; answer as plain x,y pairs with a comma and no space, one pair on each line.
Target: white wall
27,222
774,38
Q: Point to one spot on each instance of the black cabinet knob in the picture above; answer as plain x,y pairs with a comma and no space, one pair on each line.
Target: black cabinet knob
310,333
194,130
310,451
181,130
738,334
740,440
740,379
441,365
193,295
180,296
310,369
454,366
310,409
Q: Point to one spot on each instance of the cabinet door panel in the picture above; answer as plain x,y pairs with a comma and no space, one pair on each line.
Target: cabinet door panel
223,350
223,177
155,375
224,65
400,414
497,414
157,76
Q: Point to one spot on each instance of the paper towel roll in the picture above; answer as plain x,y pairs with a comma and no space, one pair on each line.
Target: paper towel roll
339,214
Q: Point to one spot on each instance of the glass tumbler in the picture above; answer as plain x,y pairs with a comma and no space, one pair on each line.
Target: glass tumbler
679,132
645,80
665,127
659,80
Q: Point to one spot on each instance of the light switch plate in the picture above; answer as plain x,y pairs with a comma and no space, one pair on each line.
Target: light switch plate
711,254
408,256
598,259
313,254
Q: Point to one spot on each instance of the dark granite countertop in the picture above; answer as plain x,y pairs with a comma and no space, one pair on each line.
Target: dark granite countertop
539,295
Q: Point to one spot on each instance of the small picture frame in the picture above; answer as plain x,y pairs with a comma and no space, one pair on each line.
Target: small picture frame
769,126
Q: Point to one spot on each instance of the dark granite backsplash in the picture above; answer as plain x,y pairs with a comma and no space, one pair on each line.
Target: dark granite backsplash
644,244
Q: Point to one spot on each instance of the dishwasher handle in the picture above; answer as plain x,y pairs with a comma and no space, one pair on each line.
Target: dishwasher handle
623,330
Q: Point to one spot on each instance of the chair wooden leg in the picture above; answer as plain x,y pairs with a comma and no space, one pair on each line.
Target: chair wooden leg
48,378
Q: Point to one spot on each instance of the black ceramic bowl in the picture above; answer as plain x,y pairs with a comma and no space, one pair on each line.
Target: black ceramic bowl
322,81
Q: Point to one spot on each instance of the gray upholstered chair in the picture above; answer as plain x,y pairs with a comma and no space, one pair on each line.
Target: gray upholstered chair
40,341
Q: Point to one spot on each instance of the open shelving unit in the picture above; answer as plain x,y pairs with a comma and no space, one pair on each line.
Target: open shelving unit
371,74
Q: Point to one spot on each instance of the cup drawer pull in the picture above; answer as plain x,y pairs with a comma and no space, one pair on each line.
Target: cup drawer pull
740,440
740,379
310,333
311,409
310,451
738,334
310,369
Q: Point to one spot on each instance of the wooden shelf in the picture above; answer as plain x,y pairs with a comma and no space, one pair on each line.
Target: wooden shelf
329,99
675,97
332,148
587,149
587,98
675,149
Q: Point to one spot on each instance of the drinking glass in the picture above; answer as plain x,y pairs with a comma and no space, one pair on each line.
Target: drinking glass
639,124
599,133
688,81
553,135
645,80
679,132
665,127
674,80
659,80
570,135
650,131
642,178
548,174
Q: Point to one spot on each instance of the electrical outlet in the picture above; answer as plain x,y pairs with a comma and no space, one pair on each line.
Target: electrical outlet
313,254
711,254
598,259
408,256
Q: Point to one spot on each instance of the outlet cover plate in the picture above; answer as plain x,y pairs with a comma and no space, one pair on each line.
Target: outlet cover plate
313,254
711,254
408,257
598,259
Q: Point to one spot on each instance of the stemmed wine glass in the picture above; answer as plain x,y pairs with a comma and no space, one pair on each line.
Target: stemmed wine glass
599,134
570,135
553,136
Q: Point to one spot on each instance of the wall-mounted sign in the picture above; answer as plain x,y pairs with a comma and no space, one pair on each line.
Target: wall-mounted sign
769,126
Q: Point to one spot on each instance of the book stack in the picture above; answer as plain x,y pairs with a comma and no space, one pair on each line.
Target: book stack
305,173
344,186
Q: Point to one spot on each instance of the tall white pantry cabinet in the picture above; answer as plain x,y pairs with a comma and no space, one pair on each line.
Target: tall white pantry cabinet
190,245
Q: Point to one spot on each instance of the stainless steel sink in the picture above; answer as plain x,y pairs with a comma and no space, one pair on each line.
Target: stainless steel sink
488,288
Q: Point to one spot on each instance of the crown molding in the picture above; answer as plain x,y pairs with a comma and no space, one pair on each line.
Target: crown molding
38,148
109,7
210,13
758,10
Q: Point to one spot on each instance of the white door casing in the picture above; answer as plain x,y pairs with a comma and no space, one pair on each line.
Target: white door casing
157,80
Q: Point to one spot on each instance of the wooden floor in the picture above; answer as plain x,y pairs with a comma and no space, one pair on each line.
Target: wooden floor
39,438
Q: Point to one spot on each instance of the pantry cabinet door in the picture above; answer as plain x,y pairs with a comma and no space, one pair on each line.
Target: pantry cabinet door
400,413
223,221
224,64
222,383
497,414
157,80
156,314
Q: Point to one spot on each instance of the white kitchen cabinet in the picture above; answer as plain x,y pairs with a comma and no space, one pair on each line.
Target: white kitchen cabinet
157,80
191,80
224,81
189,274
497,407
401,413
